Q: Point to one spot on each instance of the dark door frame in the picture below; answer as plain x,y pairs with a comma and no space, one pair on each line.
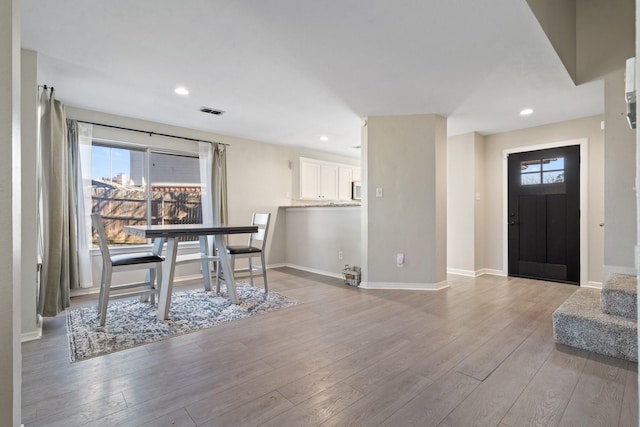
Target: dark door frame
584,192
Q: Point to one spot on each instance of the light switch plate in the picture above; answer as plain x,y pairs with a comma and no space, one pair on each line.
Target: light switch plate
379,192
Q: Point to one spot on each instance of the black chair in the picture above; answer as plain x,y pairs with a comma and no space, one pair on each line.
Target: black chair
253,249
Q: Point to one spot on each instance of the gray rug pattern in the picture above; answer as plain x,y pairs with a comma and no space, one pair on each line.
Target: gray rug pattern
131,323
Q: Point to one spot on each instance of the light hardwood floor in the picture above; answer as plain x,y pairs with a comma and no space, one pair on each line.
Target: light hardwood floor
480,353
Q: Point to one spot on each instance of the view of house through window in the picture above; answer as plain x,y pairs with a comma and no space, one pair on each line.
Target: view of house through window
125,191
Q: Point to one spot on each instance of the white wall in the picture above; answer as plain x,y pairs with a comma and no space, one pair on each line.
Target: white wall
29,259
619,182
493,183
10,178
461,204
406,157
480,193
316,235
259,177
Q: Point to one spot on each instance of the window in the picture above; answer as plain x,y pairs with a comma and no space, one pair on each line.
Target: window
132,186
546,171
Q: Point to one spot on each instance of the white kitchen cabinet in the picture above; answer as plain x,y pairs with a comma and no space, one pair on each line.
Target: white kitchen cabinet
345,178
328,182
325,181
318,180
357,173
309,179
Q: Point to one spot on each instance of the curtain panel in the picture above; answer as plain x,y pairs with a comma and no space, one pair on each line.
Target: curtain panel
55,212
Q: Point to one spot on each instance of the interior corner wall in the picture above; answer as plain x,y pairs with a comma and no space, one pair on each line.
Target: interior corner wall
461,210
619,168
479,201
493,181
405,158
29,258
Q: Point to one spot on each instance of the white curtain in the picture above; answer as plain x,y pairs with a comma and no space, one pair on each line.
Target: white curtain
206,182
213,185
83,183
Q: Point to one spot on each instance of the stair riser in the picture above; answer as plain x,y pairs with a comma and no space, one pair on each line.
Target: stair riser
610,340
619,303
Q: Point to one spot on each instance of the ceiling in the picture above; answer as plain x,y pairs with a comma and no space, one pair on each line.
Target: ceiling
290,71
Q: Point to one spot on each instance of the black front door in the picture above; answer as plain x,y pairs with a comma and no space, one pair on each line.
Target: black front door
544,214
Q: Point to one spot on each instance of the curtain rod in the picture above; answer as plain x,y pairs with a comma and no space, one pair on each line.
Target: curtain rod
150,133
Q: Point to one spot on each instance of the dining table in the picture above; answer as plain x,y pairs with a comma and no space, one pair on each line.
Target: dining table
171,233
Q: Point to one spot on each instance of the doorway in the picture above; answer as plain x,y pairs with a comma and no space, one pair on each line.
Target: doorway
544,214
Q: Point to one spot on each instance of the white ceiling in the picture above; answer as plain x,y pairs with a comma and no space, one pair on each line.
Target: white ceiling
289,71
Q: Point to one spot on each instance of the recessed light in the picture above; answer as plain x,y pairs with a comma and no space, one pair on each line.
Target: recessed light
181,90
526,112
324,138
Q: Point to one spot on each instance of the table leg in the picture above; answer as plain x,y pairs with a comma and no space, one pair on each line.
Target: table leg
218,241
206,267
168,270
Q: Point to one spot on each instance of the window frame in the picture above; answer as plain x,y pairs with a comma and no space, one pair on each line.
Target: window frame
148,150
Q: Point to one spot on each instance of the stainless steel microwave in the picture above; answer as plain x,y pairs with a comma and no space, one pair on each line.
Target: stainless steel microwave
356,190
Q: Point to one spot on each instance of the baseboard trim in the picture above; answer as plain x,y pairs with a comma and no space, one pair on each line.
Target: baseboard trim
592,285
491,272
33,335
476,273
405,286
460,272
314,270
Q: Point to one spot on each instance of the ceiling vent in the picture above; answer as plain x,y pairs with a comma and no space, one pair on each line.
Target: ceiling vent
212,111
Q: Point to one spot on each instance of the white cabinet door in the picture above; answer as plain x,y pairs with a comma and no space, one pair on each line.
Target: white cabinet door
328,182
345,177
309,180
357,176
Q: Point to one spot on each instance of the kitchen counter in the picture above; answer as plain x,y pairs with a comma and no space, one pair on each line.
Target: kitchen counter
312,204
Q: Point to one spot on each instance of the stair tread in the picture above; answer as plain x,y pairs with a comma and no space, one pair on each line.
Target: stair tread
622,283
579,322
585,303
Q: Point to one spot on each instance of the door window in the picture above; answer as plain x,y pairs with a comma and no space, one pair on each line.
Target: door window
545,171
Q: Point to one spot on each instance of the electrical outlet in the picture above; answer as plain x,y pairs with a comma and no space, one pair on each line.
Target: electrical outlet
379,192
340,255
400,260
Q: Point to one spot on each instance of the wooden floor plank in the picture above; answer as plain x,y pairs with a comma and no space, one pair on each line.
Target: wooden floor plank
492,399
252,413
379,404
629,412
318,409
433,404
597,398
344,356
545,398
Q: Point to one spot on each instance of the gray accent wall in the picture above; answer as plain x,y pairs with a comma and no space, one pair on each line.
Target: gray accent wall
406,158
619,182
10,186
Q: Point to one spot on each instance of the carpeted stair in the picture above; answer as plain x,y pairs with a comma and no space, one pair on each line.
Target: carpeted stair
603,321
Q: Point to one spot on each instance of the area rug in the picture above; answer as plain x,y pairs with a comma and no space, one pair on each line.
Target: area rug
131,323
